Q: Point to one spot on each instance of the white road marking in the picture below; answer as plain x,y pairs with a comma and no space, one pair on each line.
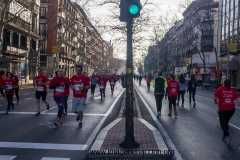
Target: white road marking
26,93
233,125
52,158
44,113
7,157
100,124
51,108
28,99
76,147
165,136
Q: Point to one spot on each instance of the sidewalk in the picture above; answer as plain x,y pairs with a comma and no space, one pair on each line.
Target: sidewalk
23,85
152,145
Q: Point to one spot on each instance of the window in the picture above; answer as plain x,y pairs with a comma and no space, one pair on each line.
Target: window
42,28
207,59
43,12
42,45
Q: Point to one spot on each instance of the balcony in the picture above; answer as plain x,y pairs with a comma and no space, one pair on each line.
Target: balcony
201,65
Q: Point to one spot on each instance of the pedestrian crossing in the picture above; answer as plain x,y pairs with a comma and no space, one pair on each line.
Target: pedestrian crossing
12,157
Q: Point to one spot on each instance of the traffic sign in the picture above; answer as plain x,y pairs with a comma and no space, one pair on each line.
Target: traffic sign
54,49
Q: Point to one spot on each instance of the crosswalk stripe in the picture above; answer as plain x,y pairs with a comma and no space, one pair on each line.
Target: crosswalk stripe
52,158
7,157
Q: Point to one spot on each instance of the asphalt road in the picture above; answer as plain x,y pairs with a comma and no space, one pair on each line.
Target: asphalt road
196,132
24,136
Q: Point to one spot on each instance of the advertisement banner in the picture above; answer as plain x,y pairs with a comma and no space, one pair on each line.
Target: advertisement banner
199,77
212,77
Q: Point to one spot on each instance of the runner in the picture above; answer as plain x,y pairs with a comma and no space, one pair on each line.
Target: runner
140,79
148,82
68,92
159,84
17,87
102,85
192,85
182,89
9,84
93,81
224,97
41,90
1,84
112,82
79,85
61,85
172,93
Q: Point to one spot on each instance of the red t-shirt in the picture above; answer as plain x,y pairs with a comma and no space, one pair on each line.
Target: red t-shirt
78,81
39,83
61,90
16,79
9,84
112,81
148,80
102,83
173,88
226,98
1,81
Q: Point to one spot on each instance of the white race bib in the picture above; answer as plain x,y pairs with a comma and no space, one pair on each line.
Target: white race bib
101,87
76,86
60,89
40,88
9,86
112,82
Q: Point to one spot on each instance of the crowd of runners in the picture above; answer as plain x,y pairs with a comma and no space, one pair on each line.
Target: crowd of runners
61,85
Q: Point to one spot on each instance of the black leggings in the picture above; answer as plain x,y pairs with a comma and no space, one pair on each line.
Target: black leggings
172,102
159,98
181,93
192,94
16,93
2,93
112,88
224,118
93,88
9,100
66,104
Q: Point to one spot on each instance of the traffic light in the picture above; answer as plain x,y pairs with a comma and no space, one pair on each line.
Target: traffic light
129,9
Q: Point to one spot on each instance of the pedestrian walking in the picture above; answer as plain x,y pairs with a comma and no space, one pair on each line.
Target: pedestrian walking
159,85
171,94
192,87
224,98
182,89
1,84
112,82
60,86
16,89
148,80
140,79
102,81
41,90
93,81
79,85
9,84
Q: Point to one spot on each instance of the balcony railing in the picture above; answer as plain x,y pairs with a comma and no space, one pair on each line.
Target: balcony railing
201,65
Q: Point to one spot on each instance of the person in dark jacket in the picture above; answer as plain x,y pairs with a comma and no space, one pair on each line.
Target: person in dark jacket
159,85
192,85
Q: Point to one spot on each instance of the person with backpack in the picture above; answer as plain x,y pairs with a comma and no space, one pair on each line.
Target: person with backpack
172,93
159,85
192,85
182,89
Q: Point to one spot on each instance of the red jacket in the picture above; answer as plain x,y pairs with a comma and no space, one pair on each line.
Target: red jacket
173,88
112,81
102,83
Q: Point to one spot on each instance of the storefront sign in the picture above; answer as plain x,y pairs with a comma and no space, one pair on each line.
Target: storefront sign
212,77
199,76
233,47
178,70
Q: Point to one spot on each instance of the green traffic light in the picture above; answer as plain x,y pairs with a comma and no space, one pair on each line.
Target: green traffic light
133,9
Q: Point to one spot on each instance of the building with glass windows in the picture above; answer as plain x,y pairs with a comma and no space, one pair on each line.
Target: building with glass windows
229,36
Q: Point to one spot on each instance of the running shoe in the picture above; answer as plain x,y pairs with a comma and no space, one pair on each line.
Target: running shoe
57,124
175,113
177,103
80,125
37,114
158,115
12,106
77,118
64,116
47,106
229,138
194,105
17,102
182,105
7,111
170,114
224,138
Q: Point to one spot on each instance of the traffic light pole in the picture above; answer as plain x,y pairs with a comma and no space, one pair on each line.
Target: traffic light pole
129,139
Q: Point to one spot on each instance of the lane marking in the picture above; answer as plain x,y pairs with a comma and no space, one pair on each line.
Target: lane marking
100,124
27,145
72,114
165,136
26,93
52,158
28,99
233,125
7,157
51,108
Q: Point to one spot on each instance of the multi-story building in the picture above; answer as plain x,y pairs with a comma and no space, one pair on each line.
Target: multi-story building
20,35
200,38
229,34
108,57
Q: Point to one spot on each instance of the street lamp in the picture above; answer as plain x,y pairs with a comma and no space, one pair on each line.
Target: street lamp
228,38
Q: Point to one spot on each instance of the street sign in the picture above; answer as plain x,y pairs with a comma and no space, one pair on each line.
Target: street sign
54,49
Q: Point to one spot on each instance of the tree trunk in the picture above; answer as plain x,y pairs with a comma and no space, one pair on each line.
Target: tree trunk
1,38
